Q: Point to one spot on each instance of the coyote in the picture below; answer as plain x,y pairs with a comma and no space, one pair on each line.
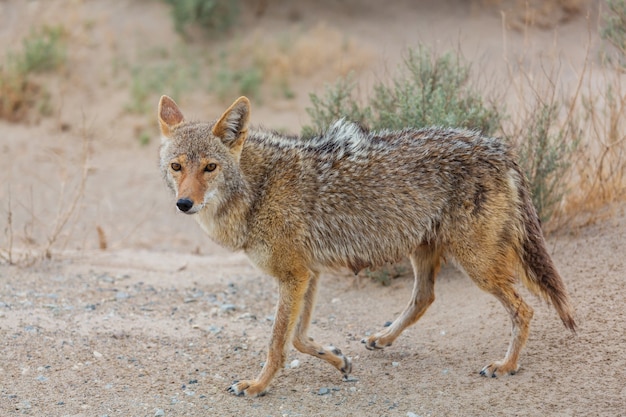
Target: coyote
359,199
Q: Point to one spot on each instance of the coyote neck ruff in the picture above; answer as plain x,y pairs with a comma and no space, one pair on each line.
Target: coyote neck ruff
357,199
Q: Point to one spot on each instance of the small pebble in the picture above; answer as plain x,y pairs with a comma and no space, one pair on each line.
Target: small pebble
387,323
294,363
97,354
159,413
395,364
228,307
214,329
122,295
323,391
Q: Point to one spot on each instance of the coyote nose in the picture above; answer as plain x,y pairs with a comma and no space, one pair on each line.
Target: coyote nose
184,204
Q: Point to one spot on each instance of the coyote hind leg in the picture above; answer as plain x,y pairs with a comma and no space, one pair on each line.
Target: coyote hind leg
426,262
306,344
520,314
496,275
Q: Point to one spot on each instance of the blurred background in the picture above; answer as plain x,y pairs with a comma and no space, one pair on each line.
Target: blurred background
80,81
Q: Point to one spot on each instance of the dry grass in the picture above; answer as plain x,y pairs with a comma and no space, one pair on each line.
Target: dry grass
70,195
18,95
600,164
590,119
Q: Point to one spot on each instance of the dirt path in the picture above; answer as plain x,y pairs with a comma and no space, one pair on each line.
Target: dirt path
132,333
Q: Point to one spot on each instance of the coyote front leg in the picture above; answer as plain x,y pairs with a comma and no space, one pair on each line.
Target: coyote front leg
306,344
291,290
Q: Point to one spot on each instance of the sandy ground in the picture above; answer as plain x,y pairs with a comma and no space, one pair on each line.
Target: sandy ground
163,320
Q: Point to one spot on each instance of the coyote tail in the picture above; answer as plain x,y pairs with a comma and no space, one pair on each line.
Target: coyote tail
540,275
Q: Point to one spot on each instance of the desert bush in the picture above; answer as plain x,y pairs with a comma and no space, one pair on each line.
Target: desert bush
243,80
42,51
211,15
150,79
339,101
614,26
433,90
545,145
430,90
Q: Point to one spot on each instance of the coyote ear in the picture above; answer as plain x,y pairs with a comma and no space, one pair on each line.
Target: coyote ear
232,127
170,116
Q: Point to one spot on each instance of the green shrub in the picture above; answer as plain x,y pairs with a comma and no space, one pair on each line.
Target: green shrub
614,27
430,90
433,90
545,147
211,15
245,80
339,101
42,51
149,80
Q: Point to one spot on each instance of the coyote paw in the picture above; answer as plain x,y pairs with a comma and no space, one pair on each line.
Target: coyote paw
248,388
346,366
375,342
499,368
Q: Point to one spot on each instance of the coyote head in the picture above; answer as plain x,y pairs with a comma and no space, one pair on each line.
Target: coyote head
199,159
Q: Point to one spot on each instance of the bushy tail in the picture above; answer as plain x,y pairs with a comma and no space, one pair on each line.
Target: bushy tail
541,276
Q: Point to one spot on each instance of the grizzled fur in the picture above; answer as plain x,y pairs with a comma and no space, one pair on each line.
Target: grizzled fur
358,199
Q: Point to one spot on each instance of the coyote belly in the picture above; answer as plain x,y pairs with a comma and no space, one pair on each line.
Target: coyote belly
357,199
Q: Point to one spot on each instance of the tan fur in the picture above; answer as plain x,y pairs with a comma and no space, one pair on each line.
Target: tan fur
356,199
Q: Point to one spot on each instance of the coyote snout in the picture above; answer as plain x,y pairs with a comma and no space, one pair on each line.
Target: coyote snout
357,199
184,205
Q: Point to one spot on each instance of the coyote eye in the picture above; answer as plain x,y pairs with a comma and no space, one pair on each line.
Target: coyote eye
210,167
176,166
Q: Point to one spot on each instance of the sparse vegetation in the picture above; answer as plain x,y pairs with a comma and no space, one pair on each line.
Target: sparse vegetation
614,29
148,80
545,150
71,192
339,101
244,80
42,51
211,15
430,90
